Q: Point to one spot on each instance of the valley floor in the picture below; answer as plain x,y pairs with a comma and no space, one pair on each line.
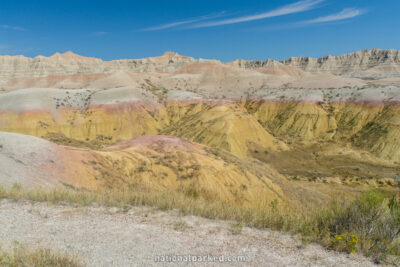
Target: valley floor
101,236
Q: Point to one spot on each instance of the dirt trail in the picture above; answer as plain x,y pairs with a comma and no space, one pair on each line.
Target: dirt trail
110,237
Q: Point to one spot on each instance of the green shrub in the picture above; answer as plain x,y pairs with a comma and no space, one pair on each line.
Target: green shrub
368,224
371,223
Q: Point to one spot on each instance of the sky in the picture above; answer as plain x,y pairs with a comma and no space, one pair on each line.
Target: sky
218,29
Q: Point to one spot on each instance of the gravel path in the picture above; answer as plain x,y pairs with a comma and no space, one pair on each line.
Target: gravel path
109,237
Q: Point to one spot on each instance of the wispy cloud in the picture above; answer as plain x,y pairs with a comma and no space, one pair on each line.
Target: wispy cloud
99,33
346,13
184,22
297,7
15,28
170,25
342,16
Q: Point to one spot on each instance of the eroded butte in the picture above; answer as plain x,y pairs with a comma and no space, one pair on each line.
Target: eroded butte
233,131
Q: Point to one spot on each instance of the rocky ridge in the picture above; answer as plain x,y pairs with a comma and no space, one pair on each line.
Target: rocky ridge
70,63
367,64
346,128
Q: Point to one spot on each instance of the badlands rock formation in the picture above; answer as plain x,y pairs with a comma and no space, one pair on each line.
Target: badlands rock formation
232,131
70,63
160,162
372,64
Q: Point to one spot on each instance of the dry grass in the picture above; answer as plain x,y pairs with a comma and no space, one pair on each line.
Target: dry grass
21,256
317,161
370,224
61,139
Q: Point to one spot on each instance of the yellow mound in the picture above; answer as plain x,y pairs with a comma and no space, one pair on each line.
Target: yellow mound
224,126
150,163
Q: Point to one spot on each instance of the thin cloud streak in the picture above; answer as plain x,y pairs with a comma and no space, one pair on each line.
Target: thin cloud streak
183,22
100,33
170,25
297,7
15,28
346,13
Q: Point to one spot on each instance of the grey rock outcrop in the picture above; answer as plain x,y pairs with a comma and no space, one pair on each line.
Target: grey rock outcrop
366,64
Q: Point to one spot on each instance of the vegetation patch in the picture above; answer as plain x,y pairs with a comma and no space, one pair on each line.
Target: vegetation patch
20,256
369,224
99,143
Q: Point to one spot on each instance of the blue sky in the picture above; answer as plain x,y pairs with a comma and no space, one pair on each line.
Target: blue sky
224,30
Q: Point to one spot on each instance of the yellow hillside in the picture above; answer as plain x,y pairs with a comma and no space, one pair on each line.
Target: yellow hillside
225,126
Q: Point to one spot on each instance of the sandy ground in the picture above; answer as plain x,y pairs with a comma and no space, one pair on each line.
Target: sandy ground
110,237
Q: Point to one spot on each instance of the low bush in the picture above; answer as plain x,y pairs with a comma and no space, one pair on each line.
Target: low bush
368,224
21,256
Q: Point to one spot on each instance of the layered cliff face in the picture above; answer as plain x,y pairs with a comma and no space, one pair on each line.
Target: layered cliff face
70,63
232,131
374,63
367,64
